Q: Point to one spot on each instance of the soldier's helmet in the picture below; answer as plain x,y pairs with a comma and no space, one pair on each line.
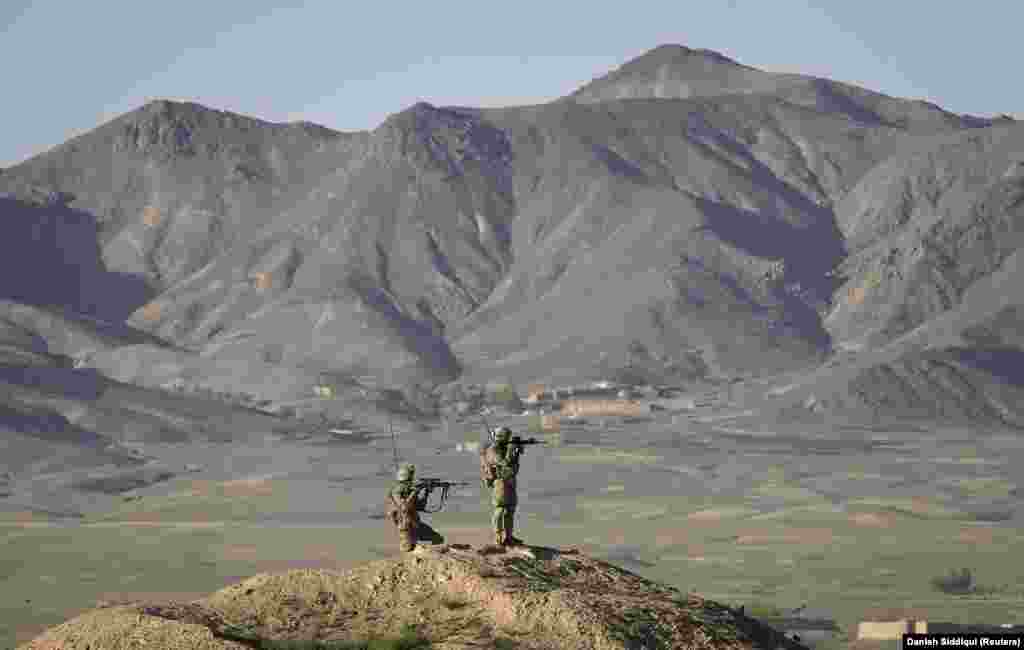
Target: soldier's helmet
406,473
503,435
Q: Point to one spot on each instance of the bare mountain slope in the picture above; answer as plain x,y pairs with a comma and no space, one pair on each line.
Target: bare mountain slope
172,184
50,256
924,226
927,322
66,430
484,210
683,215
962,365
678,72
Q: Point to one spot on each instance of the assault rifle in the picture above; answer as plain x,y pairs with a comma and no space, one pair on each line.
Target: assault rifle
520,441
428,485
517,444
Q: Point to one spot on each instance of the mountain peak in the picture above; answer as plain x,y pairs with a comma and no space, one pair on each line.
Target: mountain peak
678,53
675,72
170,108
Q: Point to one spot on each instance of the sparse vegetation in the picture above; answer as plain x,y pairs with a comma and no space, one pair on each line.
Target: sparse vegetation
409,638
505,395
641,626
422,399
956,583
993,516
762,610
452,603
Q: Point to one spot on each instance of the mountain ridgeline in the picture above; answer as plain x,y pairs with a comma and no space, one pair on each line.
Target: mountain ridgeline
682,219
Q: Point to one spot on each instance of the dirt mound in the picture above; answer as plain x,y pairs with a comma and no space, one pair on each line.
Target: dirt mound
455,596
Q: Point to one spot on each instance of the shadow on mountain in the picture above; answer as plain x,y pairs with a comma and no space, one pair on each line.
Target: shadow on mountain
420,337
50,256
808,253
833,101
82,383
48,426
1004,363
763,177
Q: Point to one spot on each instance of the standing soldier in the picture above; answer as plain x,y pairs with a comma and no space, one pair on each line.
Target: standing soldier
406,501
499,466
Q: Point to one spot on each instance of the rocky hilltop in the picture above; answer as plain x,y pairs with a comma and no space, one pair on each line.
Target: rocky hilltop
454,597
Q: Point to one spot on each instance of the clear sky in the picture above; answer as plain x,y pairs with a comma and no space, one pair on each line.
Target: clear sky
66,65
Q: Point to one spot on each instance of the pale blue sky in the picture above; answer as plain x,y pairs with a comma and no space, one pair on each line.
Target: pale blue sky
69,65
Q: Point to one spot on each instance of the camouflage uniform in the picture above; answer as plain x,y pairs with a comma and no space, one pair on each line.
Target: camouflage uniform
405,503
498,469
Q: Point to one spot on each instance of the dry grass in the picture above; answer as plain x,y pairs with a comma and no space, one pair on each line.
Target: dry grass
248,487
534,392
22,518
856,295
550,423
996,488
976,535
756,537
237,488
600,456
151,215
612,510
873,519
262,280
598,407
717,514
241,552
666,537
152,311
919,507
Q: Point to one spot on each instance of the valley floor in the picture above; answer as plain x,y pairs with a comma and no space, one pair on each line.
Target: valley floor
856,522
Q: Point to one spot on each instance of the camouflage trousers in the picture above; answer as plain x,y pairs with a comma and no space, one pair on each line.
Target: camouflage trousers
503,521
408,538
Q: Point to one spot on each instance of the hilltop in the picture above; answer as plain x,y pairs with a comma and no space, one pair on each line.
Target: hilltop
456,597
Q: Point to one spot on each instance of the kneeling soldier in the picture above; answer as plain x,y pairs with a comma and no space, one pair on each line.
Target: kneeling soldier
406,501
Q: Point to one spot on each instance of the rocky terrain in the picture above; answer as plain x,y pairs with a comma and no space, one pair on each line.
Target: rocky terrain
454,597
687,216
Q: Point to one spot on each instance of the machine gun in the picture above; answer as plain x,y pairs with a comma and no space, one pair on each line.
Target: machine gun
428,485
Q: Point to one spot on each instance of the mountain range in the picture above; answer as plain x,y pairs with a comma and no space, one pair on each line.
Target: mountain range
684,219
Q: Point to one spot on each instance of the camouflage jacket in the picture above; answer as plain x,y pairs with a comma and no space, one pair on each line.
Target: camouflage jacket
499,470
404,506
